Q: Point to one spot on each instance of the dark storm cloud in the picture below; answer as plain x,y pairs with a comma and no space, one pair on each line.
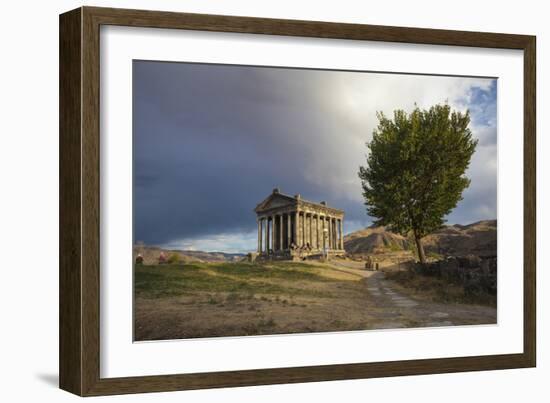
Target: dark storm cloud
212,141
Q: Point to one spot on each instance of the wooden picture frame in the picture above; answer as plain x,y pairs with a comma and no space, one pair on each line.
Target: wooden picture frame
79,201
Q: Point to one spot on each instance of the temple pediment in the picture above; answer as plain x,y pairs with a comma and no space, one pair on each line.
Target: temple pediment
275,200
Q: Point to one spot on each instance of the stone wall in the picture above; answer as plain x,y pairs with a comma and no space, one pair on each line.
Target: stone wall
477,275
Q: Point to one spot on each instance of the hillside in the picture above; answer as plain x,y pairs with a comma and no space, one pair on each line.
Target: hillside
374,240
479,238
151,254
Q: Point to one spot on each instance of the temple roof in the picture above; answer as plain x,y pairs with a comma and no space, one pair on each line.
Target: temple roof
280,200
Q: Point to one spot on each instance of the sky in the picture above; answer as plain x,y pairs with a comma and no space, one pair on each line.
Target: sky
210,142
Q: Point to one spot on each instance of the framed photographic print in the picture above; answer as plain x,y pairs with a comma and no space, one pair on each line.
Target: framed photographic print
249,201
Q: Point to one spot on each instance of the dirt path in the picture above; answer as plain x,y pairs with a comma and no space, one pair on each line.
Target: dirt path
396,308
350,267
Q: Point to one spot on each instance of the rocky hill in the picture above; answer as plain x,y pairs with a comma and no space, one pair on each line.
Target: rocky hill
374,240
151,254
479,239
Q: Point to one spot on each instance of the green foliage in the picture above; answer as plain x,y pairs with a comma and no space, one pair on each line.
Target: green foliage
174,258
415,172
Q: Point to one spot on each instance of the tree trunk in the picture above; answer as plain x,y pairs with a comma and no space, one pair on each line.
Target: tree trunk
420,249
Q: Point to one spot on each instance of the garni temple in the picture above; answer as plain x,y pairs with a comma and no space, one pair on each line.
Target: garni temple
290,227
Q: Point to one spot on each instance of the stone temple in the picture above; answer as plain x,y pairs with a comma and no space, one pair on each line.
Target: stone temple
290,227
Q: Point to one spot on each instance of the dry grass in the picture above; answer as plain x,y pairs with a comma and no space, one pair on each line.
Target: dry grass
235,299
437,289
239,299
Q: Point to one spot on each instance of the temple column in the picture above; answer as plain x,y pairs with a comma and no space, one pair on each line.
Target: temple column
288,230
303,240
268,234
259,235
316,231
333,229
273,233
337,223
281,232
334,235
327,227
323,242
309,235
296,227
337,230
329,233
318,244
331,238
266,246
341,234
306,226
320,231
311,230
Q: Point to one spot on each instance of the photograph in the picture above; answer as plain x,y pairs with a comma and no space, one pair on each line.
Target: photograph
276,200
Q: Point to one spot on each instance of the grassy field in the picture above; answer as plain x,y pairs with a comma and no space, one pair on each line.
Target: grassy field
238,299
234,299
239,279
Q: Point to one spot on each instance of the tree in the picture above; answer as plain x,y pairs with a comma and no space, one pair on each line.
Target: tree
415,172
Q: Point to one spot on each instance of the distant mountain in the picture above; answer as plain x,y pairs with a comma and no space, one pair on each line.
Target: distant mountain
151,254
479,238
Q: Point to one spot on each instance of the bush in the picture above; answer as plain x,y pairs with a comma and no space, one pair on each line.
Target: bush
174,258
